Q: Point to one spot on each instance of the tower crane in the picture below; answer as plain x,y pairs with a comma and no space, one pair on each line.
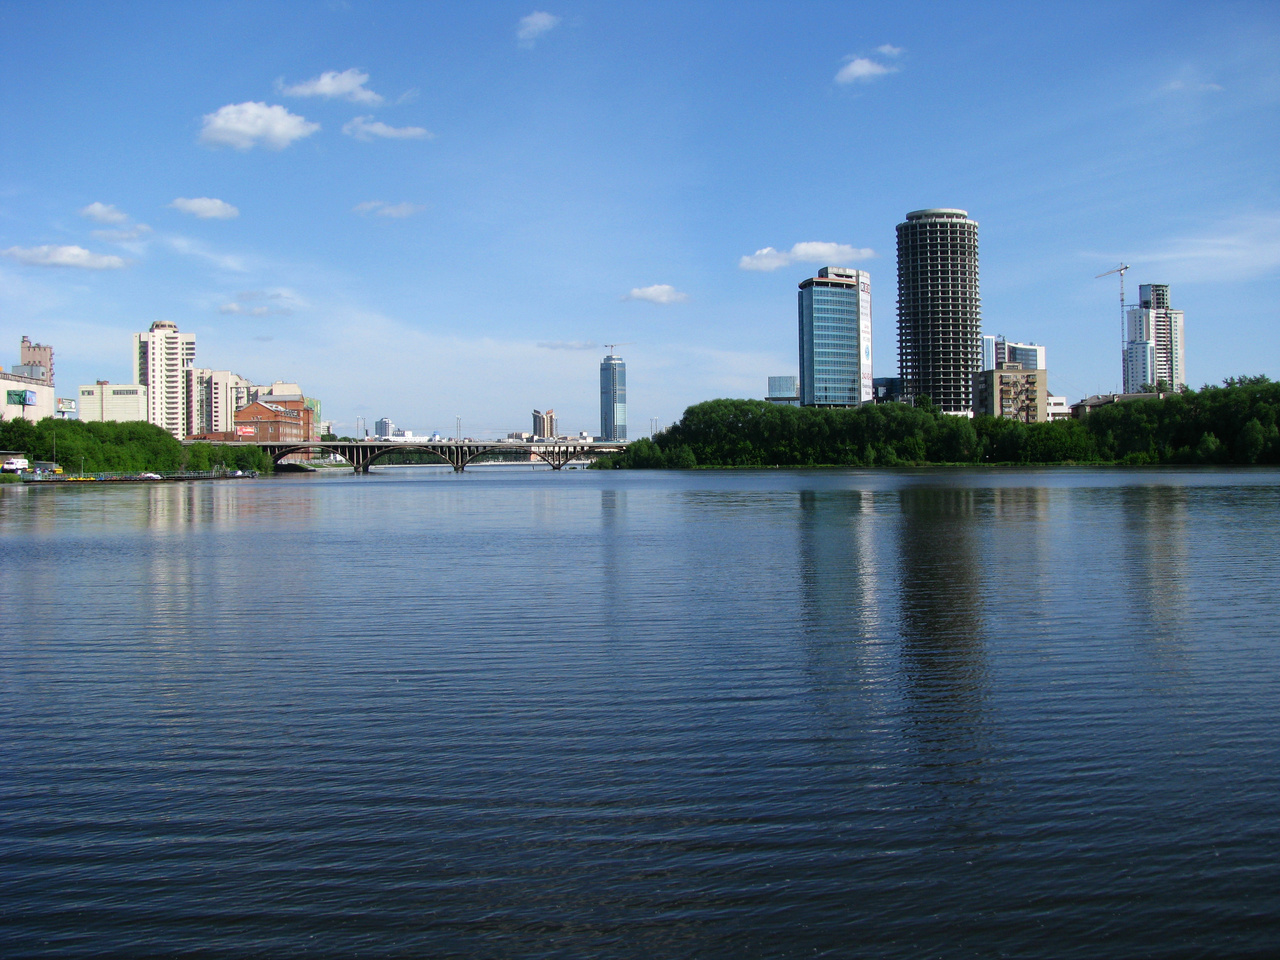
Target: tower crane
610,346
1120,270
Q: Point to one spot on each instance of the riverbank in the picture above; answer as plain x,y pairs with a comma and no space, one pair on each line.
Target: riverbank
1233,424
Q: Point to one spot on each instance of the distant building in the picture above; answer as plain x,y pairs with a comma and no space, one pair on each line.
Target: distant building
37,355
1057,408
835,338
613,399
997,350
887,390
1085,407
290,397
28,391
1012,392
1154,350
544,424
104,401
939,309
161,358
384,428
214,396
262,422
784,390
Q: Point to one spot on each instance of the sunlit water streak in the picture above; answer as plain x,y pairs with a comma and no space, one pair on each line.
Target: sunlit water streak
934,713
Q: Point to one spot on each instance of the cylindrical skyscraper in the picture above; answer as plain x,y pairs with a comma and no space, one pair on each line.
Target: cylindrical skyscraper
939,313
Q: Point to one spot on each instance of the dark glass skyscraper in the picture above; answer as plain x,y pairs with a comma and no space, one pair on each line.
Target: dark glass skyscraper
613,398
939,313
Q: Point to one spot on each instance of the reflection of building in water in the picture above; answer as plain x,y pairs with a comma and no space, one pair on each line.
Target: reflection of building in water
1155,544
838,574
941,598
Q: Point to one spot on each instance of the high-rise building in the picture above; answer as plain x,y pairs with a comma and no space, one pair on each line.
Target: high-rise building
213,397
613,398
544,424
939,310
835,338
161,358
384,428
1154,350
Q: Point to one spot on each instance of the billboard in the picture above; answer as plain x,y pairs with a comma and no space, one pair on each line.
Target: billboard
21,398
66,405
243,431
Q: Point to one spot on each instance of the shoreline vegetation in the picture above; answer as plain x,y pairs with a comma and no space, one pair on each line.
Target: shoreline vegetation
1237,423
122,447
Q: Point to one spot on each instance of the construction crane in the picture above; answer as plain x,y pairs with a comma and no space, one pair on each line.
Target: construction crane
1120,270
610,346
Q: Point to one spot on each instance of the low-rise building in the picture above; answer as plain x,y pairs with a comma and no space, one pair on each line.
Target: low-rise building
1012,392
104,400
262,422
784,390
26,398
1087,406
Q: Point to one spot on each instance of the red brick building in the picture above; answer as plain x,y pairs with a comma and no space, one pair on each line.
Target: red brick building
261,422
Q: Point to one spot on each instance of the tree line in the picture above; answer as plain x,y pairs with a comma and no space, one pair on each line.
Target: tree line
1238,422
121,447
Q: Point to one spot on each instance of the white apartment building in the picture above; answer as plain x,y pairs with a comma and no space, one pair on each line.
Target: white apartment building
1154,348
113,401
161,358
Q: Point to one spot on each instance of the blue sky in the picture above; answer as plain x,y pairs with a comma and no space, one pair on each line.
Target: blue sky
428,210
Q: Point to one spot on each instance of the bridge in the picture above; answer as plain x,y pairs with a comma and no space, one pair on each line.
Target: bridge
361,454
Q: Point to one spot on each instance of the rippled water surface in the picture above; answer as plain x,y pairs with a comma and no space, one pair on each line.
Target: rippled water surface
739,714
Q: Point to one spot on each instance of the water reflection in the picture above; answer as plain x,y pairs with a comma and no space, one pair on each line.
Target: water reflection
941,624
848,658
1155,559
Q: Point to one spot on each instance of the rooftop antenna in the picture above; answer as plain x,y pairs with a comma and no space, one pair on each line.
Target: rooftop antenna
1120,270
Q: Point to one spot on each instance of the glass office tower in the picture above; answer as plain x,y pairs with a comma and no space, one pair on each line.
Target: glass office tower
835,338
613,398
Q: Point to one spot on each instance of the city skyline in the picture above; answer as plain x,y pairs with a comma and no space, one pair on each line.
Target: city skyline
469,204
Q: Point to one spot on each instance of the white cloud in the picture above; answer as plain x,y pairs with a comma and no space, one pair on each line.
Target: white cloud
662,293
193,248
103,213
862,69
244,125
766,258
384,209
813,251
889,50
51,256
347,85
206,208
136,232
568,345
1190,86
534,26
262,303
366,128
1243,248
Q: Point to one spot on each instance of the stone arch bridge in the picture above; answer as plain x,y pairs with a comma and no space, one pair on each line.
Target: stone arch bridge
361,454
